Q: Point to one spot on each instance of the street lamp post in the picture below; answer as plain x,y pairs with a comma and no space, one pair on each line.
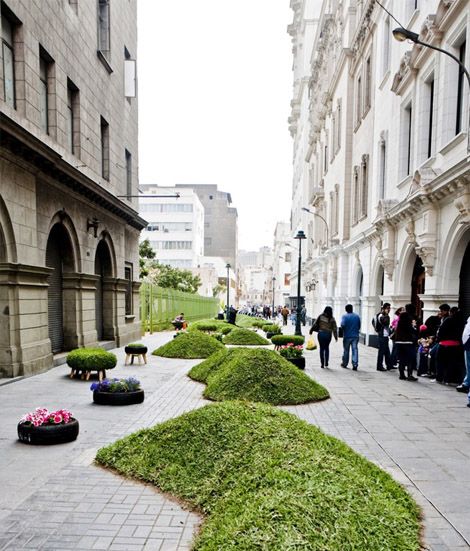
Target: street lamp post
272,311
300,235
228,290
324,221
402,34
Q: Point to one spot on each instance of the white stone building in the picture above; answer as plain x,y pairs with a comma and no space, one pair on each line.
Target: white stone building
282,259
175,224
69,226
380,152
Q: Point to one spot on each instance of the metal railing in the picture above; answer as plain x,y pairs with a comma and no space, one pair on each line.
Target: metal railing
159,306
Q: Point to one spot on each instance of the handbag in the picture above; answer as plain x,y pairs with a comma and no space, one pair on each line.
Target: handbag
315,326
311,344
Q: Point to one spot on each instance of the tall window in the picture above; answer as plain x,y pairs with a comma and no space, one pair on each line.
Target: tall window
368,84
338,126
386,46
460,89
45,65
8,62
104,132
104,42
73,128
355,194
364,194
128,296
382,167
128,174
406,142
325,155
358,100
430,121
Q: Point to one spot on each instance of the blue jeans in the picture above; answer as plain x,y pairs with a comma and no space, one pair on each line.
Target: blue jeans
347,343
324,339
384,353
466,381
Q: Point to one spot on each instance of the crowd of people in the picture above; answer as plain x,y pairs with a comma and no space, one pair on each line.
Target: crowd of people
439,348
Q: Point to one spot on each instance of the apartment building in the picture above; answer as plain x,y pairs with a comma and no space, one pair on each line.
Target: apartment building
69,226
380,156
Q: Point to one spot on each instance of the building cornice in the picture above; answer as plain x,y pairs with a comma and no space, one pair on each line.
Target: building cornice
36,153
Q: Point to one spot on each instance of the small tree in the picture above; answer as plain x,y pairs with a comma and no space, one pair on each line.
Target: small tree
146,258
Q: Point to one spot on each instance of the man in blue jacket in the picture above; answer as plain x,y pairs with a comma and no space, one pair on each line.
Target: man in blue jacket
351,324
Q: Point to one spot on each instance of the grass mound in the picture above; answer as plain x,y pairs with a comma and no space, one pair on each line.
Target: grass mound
267,480
189,346
258,375
201,371
245,337
280,340
211,326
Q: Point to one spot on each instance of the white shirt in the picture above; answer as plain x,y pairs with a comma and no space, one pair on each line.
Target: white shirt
466,331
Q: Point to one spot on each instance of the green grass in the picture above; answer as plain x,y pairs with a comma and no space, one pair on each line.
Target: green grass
257,375
279,340
245,337
211,326
189,346
243,320
201,371
268,481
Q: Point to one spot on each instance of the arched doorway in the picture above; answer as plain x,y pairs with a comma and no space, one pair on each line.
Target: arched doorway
418,280
103,302
59,257
464,284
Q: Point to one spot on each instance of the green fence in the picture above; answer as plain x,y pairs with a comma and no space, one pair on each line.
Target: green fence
158,307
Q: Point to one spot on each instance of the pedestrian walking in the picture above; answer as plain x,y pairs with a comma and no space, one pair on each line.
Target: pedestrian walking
405,338
303,315
284,314
351,325
465,386
382,327
326,326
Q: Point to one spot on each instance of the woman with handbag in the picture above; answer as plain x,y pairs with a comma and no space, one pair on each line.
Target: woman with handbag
326,327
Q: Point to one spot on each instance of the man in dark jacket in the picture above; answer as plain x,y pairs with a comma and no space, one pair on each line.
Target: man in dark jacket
382,327
351,324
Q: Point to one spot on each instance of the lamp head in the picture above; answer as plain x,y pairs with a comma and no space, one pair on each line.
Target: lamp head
300,235
228,266
402,34
306,210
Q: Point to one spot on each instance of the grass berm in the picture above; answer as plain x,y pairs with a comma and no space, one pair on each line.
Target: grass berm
189,346
267,480
246,337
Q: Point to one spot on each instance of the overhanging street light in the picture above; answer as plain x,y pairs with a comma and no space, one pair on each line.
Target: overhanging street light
324,221
300,235
272,311
228,289
402,34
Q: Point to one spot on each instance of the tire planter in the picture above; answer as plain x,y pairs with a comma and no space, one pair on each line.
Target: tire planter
118,398
48,434
298,362
135,350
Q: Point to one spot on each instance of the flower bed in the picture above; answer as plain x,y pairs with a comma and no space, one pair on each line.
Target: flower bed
117,392
279,340
48,427
293,353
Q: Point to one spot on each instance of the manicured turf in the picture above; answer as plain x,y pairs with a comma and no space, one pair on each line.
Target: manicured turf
269,481
210,326
245,337
189,346
256,375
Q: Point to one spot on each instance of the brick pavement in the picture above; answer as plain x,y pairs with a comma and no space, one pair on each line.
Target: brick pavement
56,498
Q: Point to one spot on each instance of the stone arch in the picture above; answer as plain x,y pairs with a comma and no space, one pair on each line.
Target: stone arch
405,269
61,257
7,236
105,269
62,218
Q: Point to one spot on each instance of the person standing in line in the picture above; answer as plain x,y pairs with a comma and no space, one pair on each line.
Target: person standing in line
405,338
351,324
465,386
383,329
326,326
303,315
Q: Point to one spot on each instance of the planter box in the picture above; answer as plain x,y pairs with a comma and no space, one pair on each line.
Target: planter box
48,434
118,398
298,362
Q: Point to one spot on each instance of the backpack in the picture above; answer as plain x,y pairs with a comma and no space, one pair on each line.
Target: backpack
376,323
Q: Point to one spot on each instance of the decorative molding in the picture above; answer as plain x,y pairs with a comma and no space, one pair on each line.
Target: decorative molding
462,204
428,256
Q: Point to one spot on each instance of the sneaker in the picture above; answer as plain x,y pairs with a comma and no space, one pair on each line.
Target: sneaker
354,368
432,381
345,366
381,369
392,367
402,378
411,378
462,388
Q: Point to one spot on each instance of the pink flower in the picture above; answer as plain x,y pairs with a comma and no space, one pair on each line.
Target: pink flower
58,418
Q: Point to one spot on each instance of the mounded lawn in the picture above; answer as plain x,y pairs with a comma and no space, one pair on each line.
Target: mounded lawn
256,375
246,337
210,326
267,480
189,346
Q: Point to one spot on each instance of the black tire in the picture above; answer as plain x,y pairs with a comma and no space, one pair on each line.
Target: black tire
118,398
135,350
48,434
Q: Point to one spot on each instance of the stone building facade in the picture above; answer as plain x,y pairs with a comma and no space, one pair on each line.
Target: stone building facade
69,226
380,133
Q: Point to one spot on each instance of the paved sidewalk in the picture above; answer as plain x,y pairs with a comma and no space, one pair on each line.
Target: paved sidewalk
56,498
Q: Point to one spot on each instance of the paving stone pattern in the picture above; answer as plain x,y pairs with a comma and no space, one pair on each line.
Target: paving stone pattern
56,498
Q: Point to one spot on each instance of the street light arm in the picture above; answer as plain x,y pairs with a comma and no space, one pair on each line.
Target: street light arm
324,221
456,59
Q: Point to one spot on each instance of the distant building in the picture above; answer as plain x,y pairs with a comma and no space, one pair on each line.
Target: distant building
220,222
255,276
282,258
175,225
69,227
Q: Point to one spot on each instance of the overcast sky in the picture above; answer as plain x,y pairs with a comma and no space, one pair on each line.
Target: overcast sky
215,84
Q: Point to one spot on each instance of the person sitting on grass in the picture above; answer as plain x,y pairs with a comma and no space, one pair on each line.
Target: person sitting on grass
180,323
